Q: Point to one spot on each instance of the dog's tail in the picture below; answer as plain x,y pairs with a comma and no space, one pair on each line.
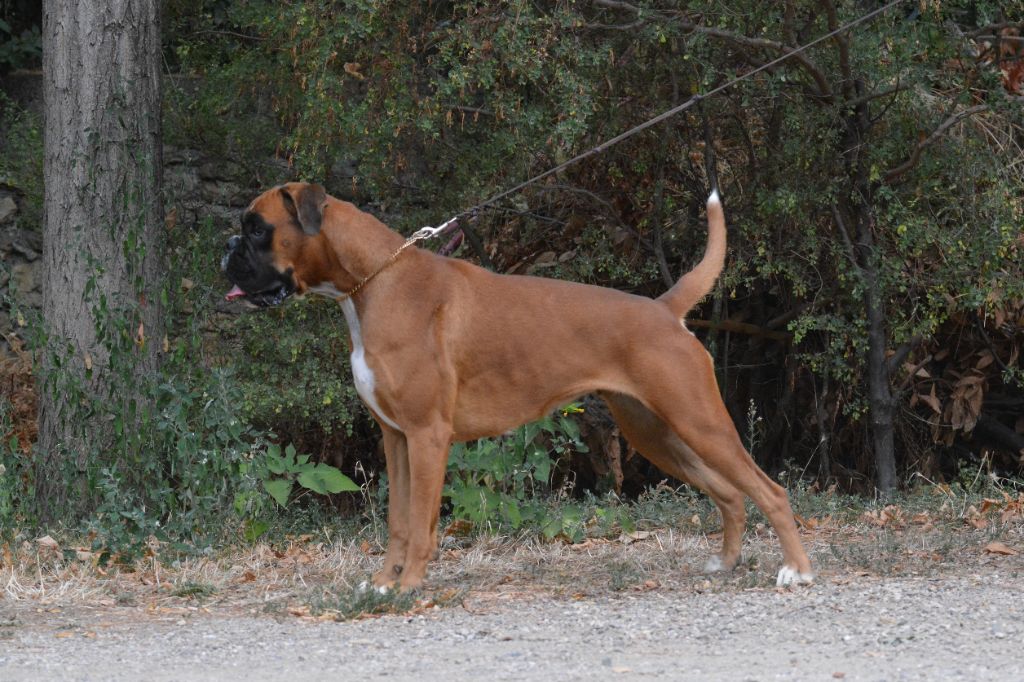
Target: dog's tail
696,284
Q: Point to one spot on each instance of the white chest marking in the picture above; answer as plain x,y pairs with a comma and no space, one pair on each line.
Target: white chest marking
361,371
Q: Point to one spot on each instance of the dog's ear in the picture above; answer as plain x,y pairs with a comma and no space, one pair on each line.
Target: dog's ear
305,202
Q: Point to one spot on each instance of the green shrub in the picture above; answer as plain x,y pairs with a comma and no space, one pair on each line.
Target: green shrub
506,484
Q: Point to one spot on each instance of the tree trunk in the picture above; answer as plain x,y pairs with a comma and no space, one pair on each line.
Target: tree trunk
880,401
103,240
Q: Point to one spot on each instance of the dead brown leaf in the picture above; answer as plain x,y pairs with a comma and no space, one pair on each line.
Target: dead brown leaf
996,547
635,536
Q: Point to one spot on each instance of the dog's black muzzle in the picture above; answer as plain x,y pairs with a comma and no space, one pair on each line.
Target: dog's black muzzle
255,278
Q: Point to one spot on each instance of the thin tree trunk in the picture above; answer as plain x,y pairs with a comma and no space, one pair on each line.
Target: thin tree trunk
103,237
880,401
881,406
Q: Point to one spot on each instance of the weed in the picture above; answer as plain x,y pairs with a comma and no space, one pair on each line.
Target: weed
622,575
191,590
359,602
506,483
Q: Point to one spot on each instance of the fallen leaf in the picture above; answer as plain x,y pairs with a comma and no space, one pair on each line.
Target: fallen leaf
996,547
635,536
48,545
931,400
988,503
48,542
459,528
809,524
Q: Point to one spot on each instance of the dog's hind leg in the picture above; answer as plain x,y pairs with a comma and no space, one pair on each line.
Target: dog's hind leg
689,403
658,443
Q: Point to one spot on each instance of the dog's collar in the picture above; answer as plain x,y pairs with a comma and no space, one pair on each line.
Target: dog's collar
384,266
418,235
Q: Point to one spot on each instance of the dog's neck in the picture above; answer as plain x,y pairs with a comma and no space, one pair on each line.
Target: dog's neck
350,249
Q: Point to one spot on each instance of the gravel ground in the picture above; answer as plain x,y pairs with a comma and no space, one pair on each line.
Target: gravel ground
959,627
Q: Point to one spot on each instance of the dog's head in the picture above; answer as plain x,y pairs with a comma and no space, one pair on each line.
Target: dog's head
261,262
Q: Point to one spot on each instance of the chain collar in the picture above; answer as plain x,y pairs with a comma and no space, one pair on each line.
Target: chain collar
418,235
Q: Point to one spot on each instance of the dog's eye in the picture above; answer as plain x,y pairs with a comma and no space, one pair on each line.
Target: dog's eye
256,232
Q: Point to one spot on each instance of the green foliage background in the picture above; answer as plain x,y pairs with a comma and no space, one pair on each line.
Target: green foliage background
418,110
438,105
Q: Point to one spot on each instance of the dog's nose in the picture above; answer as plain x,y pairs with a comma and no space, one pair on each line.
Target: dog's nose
233,242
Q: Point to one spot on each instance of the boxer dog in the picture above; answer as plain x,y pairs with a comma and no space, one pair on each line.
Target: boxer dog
445,351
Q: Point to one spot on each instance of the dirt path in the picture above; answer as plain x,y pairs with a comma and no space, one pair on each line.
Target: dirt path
866,628
900,595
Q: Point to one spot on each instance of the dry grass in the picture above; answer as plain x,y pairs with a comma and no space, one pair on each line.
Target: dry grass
303,574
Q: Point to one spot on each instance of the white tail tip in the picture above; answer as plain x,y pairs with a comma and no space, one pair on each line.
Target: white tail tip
714,199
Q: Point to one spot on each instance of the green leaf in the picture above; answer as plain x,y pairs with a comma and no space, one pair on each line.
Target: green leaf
276,464
325,479
279,489
254,529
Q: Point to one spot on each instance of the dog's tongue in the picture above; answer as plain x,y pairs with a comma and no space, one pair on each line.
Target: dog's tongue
234,293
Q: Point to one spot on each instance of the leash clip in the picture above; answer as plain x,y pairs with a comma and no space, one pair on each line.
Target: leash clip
429,232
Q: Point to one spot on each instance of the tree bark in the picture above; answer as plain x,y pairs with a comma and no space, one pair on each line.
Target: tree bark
880,400
103,240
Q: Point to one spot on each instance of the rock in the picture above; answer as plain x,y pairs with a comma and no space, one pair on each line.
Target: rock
8,209
27,252
25,285
223,192
221,169
23,278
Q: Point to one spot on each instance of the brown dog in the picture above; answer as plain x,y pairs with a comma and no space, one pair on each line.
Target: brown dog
445,351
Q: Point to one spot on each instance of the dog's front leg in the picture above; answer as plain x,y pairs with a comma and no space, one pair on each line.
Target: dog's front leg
427,458
396,452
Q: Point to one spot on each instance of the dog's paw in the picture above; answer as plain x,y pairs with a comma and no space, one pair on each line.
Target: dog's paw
367,586
791,576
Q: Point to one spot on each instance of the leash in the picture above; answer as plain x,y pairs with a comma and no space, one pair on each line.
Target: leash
430,232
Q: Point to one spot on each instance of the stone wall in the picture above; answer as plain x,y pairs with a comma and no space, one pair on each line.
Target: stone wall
20,279
198,188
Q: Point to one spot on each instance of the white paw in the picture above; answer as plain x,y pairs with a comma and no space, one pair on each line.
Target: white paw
790,576
366,586
714,564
